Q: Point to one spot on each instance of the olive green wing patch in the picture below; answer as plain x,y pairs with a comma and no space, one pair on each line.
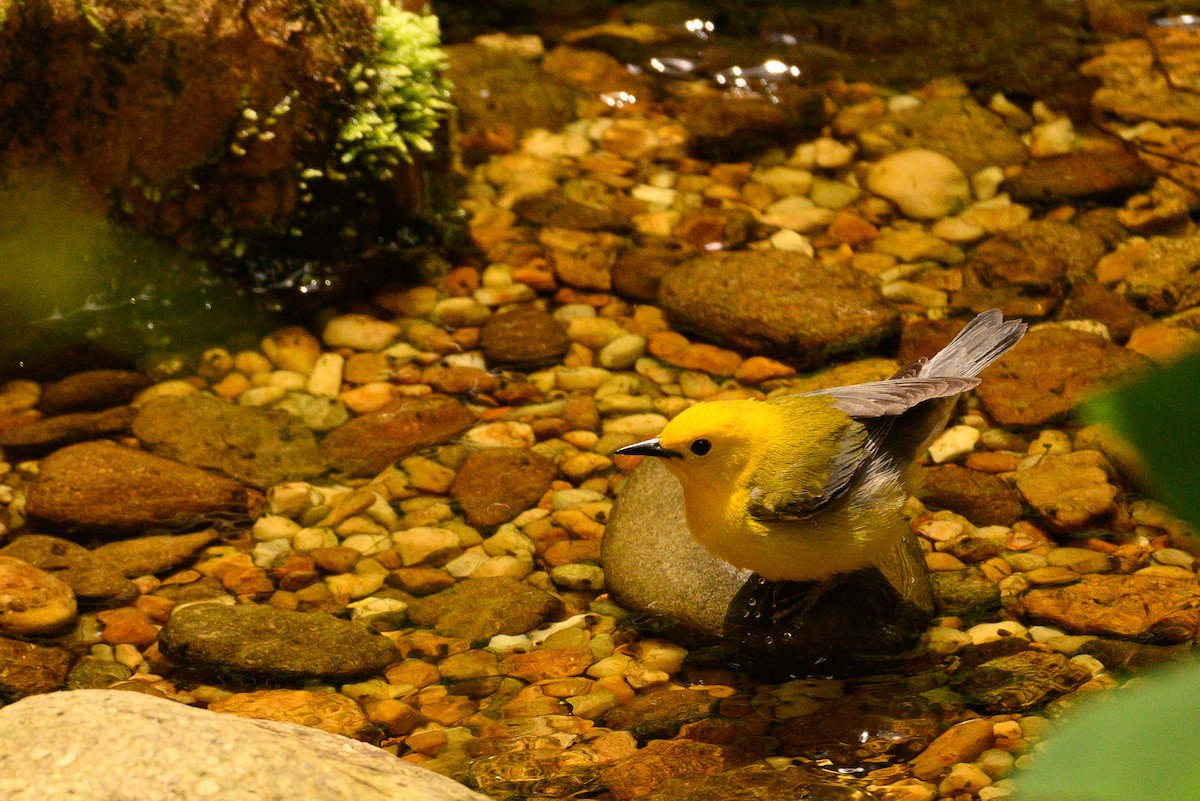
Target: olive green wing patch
795,493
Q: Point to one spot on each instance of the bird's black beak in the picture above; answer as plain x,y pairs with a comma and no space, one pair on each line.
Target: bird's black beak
649,447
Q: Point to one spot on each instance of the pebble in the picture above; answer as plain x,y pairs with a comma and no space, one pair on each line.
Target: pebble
292,348
32,602
954,443
924,184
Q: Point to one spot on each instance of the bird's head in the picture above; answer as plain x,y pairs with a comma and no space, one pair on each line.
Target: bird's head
711,444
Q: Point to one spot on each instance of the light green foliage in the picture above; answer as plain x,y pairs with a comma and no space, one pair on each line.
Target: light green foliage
399,95
1138,743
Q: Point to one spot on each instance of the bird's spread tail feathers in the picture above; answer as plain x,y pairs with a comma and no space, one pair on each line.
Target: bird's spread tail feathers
983,341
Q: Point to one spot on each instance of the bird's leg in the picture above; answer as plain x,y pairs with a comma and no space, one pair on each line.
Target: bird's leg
788,600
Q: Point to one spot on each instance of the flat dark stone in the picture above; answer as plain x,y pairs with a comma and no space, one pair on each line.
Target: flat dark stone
265,641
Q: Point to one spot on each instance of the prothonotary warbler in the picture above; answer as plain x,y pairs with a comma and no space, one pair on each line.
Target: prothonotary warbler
806,487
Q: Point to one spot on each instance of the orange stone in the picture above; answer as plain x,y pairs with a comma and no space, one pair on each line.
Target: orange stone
127,624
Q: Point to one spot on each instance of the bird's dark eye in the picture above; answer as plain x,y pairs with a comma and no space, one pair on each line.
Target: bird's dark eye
701,447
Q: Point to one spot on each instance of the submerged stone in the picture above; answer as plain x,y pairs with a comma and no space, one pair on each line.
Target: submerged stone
264,641
778,303
260,447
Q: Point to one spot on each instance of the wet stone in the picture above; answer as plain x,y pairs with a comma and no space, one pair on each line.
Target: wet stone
563,212
260,447
28,669
638,271
982,498
483,78
103,487
262,640
776,302
1102,304
1161,274
1035,258
1048,372
965,593
329,712
758,781
728,127
1019,681
640,772
871,727
957,127
659,714
478,609
96,673
92,390
496,484
1133,656
1110,173
366,445
48,434
144,556
1115,605
525,335
93,580
32,601
1071,490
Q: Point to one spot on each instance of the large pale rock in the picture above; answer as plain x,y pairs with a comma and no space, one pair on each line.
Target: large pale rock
107,745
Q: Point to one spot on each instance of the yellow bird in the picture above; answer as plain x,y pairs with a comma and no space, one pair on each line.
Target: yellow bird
806,487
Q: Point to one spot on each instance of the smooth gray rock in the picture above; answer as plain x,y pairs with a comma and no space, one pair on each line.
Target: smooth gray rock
109,745
651,561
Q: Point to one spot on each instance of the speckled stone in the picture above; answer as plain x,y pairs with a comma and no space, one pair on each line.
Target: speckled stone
263,640
776,302
155,750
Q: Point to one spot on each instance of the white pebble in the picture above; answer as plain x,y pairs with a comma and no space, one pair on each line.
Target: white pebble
307,539
271,553
788,240
654,195
986,182
622,352
1054,138
924,184
325,381
953,443
274,527
990,632
578,577
360,332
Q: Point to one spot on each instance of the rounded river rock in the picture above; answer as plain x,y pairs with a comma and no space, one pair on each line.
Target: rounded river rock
784,304
265,641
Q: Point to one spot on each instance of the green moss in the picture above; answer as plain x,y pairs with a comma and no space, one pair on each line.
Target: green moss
399,96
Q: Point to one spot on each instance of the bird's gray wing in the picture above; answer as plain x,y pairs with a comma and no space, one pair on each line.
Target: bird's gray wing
779,494
895,395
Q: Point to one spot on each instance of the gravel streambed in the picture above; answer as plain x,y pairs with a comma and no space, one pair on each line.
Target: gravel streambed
387,526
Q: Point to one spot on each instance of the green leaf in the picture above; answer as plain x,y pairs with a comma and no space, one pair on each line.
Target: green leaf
1160,416
1133,744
